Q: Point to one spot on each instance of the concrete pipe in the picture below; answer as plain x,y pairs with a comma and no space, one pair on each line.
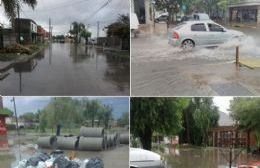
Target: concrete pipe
111,140
92,132
69,143
47,142
124,138
91,144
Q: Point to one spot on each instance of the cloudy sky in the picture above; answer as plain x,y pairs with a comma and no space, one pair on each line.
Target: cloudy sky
223,103
64,12
33,104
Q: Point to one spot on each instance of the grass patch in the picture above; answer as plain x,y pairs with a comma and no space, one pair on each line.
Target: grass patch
14,52
119,54
8,56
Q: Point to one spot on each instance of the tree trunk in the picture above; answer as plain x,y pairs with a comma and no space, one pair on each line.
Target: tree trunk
146,138
187,128
248,141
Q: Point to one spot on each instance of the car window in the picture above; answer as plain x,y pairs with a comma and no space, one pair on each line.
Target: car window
215,28
198,27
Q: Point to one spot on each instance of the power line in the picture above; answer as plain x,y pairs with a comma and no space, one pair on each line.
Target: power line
103,6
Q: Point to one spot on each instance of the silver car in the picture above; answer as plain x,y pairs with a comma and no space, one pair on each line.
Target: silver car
200,33
140,158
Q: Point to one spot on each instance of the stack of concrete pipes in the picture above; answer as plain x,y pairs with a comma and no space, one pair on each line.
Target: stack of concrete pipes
90,139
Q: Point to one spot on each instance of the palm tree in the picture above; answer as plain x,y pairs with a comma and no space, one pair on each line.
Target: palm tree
11,6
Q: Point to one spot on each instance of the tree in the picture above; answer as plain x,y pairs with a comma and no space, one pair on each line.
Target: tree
77,29
107,115
161,115
11,6
123,120
200,115
121,29
28,117
85,34
246,111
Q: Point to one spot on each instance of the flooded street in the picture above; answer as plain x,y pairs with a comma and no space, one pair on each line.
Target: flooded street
160,69
205,158
67,69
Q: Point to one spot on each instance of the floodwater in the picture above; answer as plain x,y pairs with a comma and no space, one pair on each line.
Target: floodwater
160,69
67,69
206,157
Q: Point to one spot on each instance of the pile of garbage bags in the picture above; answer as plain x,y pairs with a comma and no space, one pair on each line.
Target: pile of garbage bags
57,159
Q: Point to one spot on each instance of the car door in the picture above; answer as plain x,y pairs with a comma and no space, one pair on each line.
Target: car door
217,33
199,34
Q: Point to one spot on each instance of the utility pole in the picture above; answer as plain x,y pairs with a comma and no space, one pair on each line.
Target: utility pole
50,31
19,24
17,126
97,29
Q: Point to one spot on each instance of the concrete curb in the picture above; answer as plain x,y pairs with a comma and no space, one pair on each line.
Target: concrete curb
21,59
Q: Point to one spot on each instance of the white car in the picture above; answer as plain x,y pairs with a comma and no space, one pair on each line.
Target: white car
140,158
201,33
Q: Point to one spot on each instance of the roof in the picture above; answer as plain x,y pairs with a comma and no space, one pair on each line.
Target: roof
26,19
245,3
5,112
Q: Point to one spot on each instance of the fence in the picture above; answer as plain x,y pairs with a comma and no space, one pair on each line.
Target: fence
114,42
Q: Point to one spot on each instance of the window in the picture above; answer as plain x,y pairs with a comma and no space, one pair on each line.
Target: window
215,28
198,27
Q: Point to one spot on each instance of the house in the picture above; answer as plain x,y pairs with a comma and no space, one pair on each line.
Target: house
245,12
3,130
227,134
27,29
144,10
42,35
8,36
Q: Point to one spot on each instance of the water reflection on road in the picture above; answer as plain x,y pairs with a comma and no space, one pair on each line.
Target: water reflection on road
67,69
204,157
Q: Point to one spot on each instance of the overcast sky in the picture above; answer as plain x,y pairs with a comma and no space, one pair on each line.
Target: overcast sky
223,103
64,12
33,104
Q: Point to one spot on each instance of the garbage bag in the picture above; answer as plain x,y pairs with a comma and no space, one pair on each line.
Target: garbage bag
62,162
33,161
94,163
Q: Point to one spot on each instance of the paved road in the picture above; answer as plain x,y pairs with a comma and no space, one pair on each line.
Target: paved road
159,69
67,69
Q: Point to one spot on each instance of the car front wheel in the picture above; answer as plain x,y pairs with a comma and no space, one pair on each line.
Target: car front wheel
188,44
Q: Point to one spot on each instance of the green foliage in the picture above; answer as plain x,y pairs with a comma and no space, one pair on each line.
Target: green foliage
72,113
246,111
79,29
10,6
120,28
161,115
6,112
199,116
123,120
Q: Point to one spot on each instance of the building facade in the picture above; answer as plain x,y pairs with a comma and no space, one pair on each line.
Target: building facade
144,10
27,29
245,12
